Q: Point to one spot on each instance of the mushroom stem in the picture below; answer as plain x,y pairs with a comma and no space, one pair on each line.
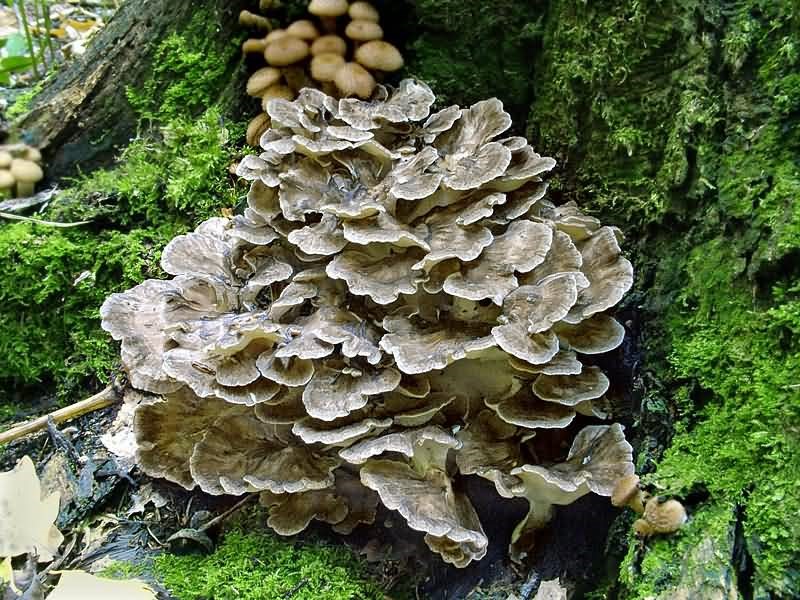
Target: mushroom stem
100,400
24,189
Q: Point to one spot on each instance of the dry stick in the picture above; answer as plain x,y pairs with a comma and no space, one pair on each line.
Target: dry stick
102,399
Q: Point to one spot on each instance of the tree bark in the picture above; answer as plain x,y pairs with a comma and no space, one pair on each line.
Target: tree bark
83,115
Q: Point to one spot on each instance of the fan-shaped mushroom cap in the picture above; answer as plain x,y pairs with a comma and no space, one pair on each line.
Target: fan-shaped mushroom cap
26,517
427,447
598,458
328,8
595,335
303,29
256,128
354,80
167,429
262,79
329,44
289,514
527,411
286,50
379,55
325,65
363,31
489,449
362,502
363,11
340,432
428,503
333,393
570,390
240,453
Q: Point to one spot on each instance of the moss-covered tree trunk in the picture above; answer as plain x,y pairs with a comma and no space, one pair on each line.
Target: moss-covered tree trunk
83,116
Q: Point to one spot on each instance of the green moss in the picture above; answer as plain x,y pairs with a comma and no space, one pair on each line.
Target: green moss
22,103
179,169
50,293
189,70
261,566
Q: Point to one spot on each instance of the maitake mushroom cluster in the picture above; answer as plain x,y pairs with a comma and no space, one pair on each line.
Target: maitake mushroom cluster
20,170
397,305
310,53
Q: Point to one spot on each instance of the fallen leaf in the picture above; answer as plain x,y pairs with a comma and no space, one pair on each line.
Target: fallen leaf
78,585
26,519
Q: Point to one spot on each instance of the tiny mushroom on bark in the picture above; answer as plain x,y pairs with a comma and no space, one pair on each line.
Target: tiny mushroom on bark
327,11
285,51
303,29
379,55
627,493
250,19
660,517
396,308
329,44
363,11
363,31
7,182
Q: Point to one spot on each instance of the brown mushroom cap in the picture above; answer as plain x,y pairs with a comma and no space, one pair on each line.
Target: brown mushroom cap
354,80
329,44
286,51
363,11
5,159
324,66
250,19
627,492
261,80
363,31
275,35
33,154
254,46
26,171
328,8
379,55
664,517
303,29
276,91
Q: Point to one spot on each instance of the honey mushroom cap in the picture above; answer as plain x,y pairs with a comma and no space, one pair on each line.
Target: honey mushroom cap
275,35
5,159
664,517
363,11
254,46
276,91
329,44
379,55
328,8
354,80
363,31
627,493
286,51
261,80
251,19
324,66
303,29
26,173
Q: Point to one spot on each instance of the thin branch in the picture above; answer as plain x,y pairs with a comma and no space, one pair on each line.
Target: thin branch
101,400
14,217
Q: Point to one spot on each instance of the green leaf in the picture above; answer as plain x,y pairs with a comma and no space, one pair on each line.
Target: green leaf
15,63
16,45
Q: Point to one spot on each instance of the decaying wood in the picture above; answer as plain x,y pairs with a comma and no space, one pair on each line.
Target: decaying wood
83,116
102,399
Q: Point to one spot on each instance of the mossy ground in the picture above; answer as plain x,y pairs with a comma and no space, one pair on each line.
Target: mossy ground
253,563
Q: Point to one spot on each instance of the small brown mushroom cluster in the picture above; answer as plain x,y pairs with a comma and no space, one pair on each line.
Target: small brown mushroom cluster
657,516
398,306
20,170
313,54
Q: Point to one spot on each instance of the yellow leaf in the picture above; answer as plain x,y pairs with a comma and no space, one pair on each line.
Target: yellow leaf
77,585
26,519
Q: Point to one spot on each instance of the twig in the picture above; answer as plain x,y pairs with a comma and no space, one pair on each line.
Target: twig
101,400
14,217
300,585
225,514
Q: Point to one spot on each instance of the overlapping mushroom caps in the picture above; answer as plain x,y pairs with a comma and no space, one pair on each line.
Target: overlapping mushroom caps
397,306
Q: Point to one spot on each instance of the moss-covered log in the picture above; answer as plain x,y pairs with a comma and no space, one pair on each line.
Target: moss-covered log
84,114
